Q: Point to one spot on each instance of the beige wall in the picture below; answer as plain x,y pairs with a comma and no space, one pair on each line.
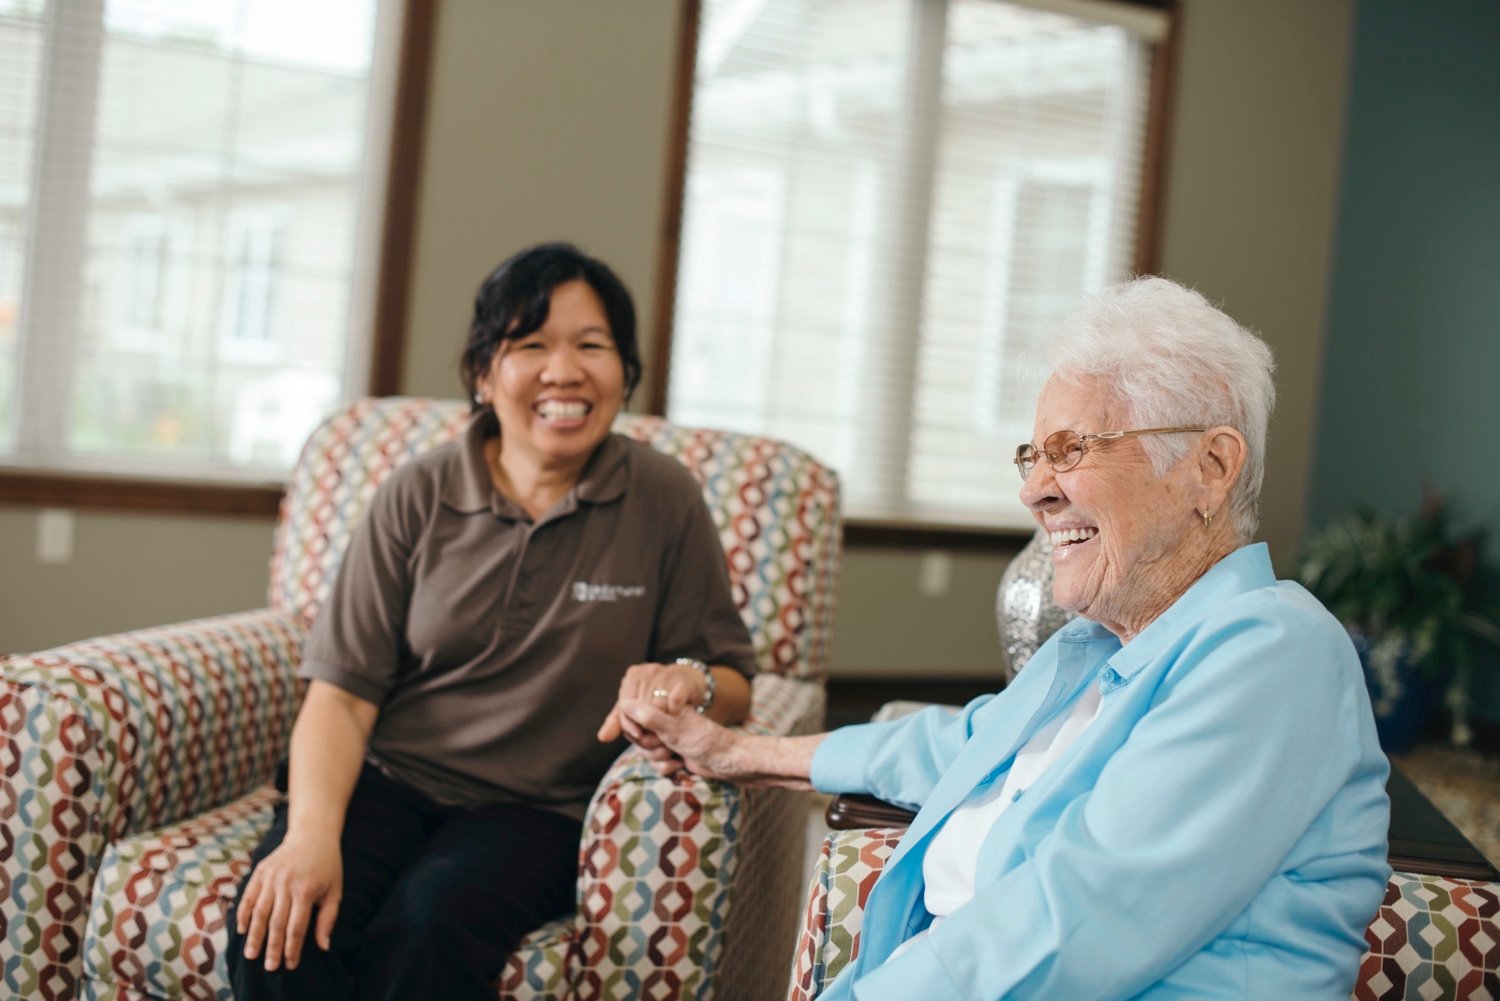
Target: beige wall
544,122
128,570
549,122
1251,192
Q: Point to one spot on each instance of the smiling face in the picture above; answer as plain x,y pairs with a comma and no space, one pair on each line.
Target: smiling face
1126,543
557,390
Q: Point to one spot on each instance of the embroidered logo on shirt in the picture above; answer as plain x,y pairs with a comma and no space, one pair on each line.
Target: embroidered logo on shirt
606,592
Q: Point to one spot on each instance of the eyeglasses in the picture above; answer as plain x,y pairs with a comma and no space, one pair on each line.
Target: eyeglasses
1064,449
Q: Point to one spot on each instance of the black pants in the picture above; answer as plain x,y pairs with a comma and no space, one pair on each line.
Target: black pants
435,899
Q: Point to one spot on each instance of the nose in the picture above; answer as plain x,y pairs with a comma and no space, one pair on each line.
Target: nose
562,368
1040,491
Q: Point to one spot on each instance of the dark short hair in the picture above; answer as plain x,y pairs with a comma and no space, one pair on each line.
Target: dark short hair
513,302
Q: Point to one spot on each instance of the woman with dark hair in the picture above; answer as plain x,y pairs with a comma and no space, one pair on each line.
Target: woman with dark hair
503,594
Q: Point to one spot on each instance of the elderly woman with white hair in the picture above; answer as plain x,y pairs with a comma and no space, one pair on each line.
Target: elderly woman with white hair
1181,796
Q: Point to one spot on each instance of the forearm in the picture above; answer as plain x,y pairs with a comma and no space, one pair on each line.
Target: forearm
731,697
327,752
772,761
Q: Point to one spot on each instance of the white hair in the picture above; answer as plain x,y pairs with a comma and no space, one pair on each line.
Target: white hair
1173,358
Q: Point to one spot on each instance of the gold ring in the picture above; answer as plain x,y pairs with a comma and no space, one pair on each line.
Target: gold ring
659,693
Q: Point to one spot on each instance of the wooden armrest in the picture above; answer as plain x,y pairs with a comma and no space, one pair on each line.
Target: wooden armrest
853,810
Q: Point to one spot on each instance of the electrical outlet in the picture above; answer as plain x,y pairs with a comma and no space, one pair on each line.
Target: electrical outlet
934,573
54,536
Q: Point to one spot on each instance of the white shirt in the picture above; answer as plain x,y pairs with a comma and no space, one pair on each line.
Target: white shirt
953,857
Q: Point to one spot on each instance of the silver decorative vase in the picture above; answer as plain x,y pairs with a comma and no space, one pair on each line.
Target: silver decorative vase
1024,610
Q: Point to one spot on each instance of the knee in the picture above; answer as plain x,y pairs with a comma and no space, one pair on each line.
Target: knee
409,922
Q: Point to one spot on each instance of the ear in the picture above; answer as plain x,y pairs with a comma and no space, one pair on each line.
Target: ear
1221,459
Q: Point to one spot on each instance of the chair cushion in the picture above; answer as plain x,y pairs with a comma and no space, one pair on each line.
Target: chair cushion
157,919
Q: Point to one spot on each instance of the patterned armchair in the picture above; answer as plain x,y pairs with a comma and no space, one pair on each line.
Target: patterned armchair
134,768
1434,936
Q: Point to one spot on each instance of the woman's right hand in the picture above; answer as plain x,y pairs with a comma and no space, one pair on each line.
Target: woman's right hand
301,874
685,738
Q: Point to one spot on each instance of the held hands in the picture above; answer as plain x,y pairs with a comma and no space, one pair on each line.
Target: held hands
677,740
673,687
302,873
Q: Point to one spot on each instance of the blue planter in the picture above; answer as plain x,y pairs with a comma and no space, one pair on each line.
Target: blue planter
1402,699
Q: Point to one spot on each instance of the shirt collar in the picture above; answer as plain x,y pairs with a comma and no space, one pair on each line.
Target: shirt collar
468,488
1246,569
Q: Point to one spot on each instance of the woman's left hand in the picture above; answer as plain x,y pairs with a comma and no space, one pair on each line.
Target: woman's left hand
671,687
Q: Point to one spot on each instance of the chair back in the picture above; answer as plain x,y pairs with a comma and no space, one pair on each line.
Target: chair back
776,508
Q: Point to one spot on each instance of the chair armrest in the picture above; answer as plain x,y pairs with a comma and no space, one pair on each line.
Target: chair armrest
782,706
657,899
657,854
1433,936
848,866
851,811
115,735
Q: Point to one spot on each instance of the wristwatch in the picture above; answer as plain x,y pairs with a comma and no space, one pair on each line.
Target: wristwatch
710,683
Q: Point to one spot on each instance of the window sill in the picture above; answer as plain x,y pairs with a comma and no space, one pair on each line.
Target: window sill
120,493
50,489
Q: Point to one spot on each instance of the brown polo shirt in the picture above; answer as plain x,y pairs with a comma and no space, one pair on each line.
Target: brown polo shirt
493,644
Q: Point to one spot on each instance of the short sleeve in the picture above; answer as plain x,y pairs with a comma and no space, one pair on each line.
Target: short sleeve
358,638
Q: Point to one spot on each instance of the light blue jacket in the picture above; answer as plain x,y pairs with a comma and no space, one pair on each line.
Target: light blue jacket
1218,832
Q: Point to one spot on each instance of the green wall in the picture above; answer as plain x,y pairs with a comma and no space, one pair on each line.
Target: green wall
1411,377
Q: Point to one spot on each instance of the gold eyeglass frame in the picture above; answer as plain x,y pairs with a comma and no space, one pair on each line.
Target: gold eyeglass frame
1027,454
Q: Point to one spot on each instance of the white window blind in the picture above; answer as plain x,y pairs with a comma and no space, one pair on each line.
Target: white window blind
189,197
887,203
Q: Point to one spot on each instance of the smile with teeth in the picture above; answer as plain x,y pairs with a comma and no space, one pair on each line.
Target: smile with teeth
562,410
1071,536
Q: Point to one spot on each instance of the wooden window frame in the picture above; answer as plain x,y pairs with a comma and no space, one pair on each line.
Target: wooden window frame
874,532
388,346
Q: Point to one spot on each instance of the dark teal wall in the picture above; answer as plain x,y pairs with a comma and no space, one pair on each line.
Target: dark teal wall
1411,377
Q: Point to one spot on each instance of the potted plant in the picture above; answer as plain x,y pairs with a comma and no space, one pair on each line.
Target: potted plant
1410,590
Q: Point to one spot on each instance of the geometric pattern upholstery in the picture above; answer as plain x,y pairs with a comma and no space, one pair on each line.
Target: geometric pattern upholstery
103,739
134,769
157,924
848,866
1433,938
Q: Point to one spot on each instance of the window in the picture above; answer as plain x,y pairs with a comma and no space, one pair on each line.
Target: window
253,268
887,203
139,274
189,190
